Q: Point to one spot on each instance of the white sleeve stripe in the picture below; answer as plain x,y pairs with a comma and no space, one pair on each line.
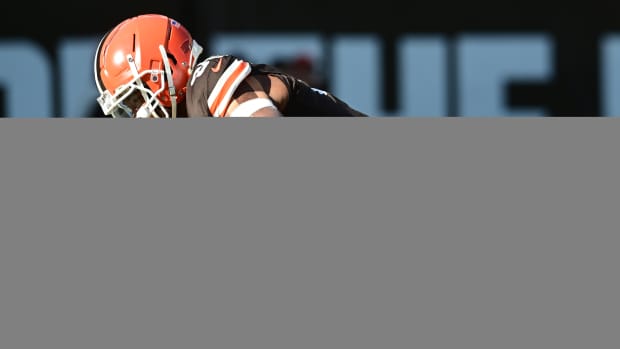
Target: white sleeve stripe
251,106
226,85
222,80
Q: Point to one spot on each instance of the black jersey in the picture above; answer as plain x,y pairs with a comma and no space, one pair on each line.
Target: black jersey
216,78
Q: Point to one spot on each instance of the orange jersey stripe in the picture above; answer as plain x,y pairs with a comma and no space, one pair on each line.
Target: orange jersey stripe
231,80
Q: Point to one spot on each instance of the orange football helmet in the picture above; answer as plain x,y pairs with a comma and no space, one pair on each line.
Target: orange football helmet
142,67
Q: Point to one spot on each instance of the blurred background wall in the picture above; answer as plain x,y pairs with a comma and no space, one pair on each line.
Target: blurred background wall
388,58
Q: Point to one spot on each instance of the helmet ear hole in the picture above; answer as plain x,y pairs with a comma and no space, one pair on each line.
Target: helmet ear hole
171,57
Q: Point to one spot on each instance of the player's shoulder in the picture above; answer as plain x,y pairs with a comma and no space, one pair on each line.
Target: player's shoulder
218,65
224,59
216,58
217,78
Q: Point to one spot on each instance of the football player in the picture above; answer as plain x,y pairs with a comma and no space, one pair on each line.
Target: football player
148,66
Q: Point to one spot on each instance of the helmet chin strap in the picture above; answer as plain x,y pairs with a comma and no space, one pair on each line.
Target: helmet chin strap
196,52
174,107
171,89
146,110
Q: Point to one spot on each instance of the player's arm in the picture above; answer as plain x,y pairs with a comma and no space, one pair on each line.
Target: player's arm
257,96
